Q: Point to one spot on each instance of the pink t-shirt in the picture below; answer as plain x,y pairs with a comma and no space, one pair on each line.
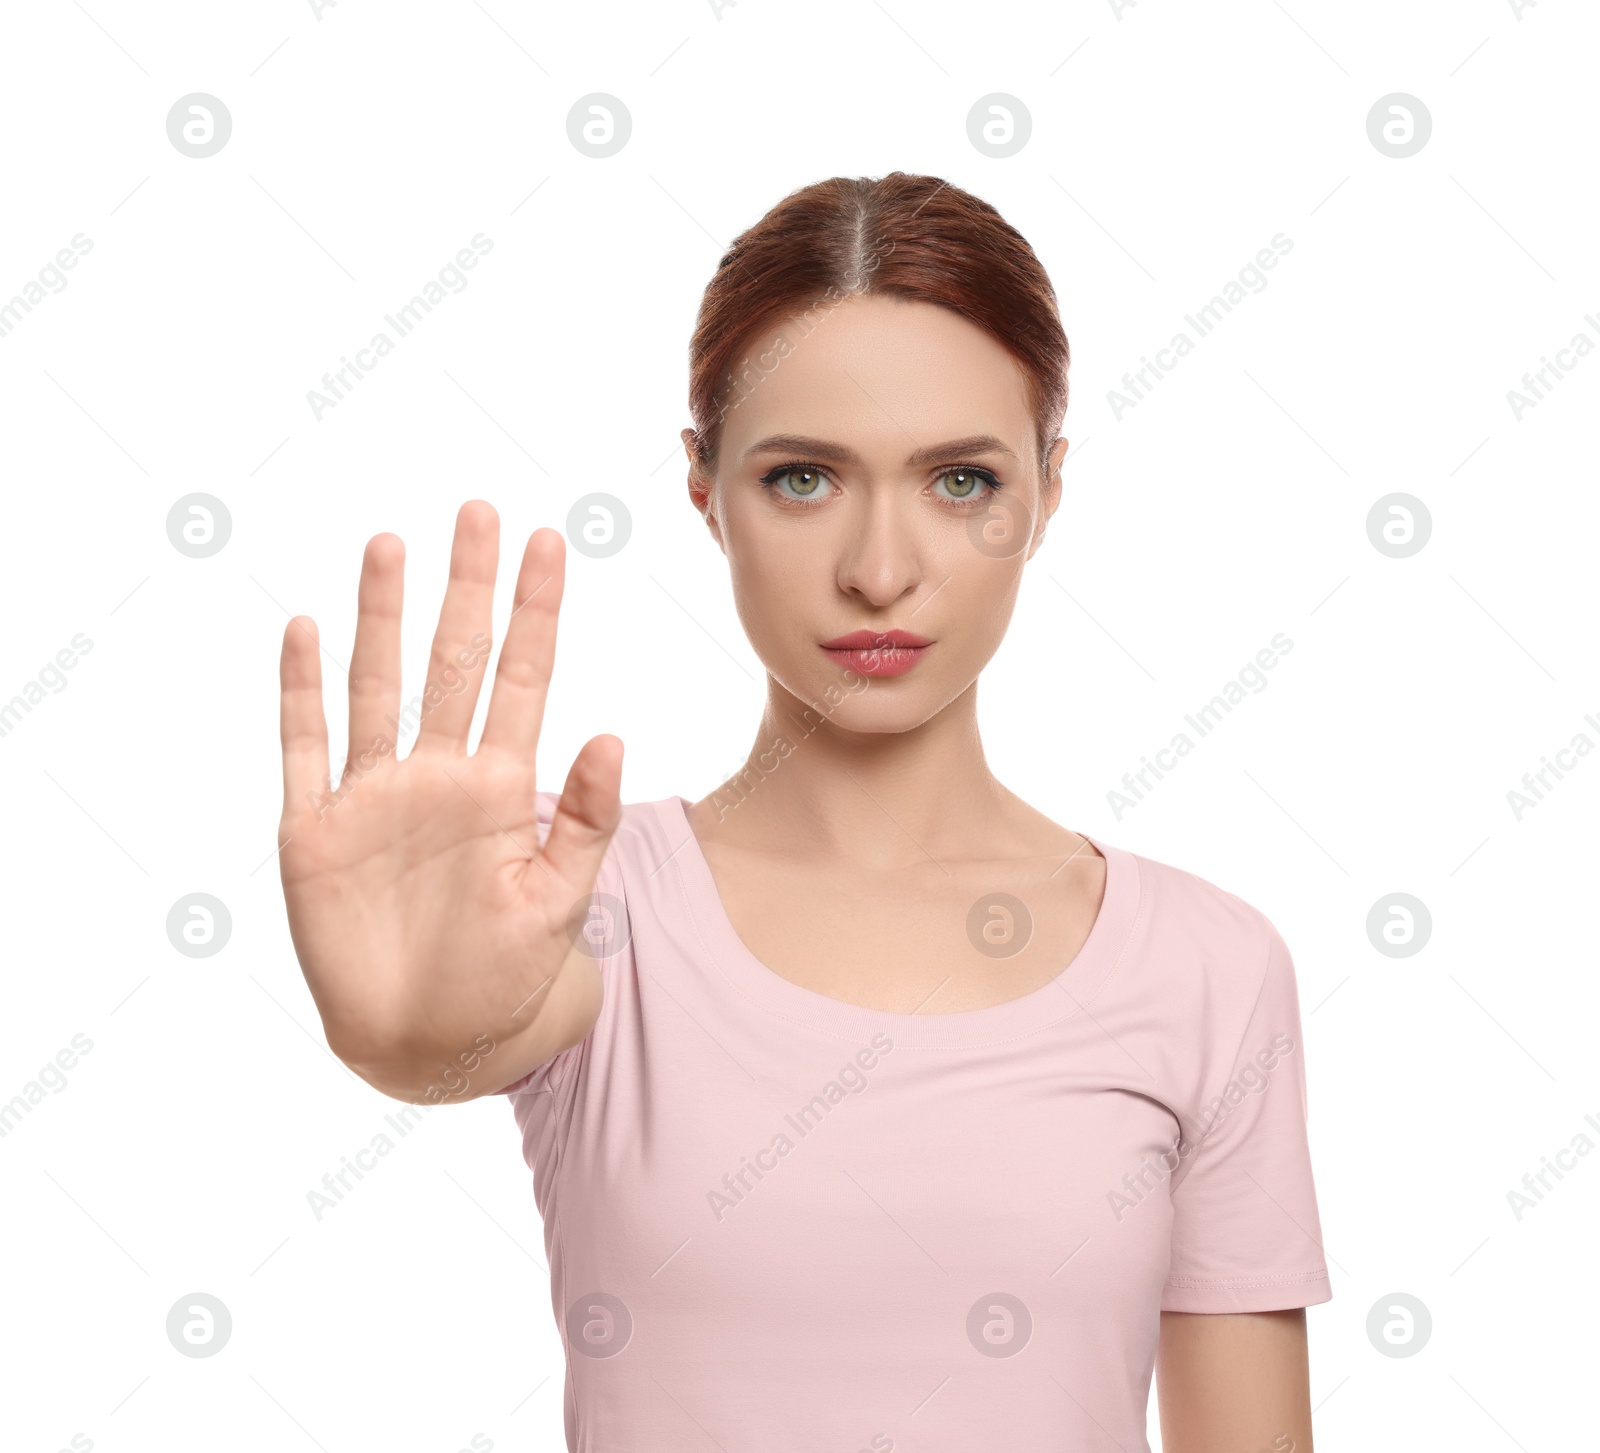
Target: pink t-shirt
778,1221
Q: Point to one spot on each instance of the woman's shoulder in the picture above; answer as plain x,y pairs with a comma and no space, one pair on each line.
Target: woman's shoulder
1212,962
1194,923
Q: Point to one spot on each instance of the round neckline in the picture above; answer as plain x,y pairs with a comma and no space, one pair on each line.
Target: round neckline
1059,998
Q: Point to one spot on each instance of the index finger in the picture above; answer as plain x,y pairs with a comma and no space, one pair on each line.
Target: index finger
522,676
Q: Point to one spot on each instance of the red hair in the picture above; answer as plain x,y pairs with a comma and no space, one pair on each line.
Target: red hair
902,236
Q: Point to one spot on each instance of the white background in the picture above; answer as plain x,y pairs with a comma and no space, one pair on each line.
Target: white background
1169,144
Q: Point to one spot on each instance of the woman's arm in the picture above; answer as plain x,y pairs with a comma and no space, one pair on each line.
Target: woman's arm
1234,1382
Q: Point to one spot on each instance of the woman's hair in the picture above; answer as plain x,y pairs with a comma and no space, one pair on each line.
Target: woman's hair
901,236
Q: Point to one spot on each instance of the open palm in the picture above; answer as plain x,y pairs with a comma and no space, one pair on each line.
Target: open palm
431,924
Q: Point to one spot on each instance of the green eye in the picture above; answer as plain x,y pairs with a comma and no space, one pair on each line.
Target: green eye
966,483
795,481
809,480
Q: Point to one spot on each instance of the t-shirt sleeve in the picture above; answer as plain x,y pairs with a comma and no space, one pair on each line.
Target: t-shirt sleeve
546,1075
1246,1236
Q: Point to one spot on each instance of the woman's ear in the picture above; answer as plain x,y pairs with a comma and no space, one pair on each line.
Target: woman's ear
1052,474
700,486
1050,495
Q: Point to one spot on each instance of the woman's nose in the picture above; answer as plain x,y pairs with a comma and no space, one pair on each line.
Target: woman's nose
881,561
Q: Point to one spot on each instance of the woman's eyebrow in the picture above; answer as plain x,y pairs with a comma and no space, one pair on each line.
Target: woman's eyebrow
827,449
972,444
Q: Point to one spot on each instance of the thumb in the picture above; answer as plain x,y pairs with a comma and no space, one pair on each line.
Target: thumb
587,814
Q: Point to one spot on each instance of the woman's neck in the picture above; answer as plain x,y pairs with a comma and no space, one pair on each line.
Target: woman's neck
878,799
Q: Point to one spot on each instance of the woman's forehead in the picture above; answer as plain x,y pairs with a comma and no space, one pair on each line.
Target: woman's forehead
877,375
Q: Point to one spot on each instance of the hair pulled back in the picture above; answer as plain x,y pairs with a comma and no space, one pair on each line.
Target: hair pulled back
901,235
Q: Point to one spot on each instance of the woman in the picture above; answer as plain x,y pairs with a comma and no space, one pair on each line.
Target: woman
866,1106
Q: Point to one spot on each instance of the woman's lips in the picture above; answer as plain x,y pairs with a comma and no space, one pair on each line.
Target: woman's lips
877,653
879,660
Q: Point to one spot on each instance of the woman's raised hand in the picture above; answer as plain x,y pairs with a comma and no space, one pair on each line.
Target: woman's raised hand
431,925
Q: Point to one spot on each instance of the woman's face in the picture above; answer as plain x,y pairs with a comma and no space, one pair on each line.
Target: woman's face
880,475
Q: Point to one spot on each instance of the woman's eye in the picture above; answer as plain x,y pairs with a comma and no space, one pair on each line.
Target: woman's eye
962,484
799,483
